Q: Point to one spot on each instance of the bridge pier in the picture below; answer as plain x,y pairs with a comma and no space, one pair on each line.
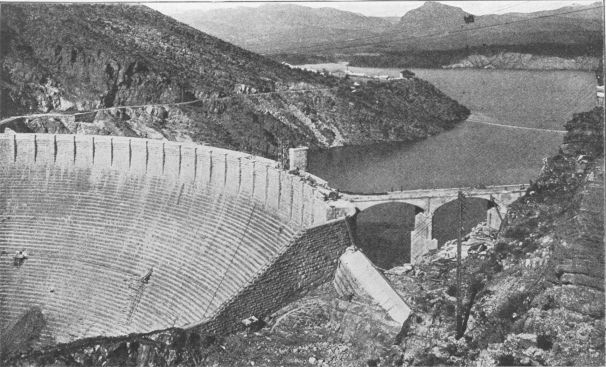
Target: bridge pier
421,240
494,216
429,200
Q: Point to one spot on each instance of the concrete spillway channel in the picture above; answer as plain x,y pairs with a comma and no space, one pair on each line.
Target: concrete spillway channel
356,275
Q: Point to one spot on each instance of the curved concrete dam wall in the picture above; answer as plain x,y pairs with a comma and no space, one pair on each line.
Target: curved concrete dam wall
221,235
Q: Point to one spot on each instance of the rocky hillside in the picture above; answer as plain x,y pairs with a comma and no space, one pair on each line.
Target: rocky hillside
514,60
67,59
533,293
534,56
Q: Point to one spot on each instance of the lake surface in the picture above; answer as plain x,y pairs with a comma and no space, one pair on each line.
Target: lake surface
472,153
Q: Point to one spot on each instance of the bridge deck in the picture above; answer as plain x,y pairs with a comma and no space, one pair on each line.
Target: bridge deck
422,198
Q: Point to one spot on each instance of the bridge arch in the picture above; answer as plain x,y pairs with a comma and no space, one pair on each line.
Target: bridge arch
445,218
430,200
383,232
370,201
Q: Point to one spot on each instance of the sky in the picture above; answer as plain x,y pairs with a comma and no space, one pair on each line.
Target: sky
375,8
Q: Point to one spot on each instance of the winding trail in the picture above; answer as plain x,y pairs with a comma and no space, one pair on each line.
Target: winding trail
55,114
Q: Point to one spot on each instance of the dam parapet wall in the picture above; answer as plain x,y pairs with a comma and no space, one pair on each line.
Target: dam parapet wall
296,199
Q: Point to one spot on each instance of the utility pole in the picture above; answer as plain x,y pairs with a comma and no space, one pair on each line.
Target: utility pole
459,308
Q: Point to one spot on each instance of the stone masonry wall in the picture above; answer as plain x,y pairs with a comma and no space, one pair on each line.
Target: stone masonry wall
310,261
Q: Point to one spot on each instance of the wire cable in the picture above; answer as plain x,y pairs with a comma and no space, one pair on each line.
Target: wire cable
517,127
511,6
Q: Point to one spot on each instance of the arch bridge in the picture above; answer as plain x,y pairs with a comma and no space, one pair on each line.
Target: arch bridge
427,201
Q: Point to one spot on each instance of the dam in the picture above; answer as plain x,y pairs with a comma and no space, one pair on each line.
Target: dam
212,229
131,236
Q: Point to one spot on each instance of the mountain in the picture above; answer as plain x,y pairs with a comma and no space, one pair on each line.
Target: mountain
299,34
436,35
431,16
273,27
438,26
122,69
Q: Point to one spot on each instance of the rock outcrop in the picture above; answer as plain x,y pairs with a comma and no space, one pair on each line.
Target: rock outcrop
515,60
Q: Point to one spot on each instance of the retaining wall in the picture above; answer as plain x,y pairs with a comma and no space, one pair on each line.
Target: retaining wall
221,230
309,262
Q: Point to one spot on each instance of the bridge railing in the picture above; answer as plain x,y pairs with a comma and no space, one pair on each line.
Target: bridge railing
449,191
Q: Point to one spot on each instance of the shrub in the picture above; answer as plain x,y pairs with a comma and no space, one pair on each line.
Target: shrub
506,360
544,341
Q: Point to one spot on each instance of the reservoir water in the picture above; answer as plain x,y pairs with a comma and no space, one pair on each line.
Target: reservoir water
472,154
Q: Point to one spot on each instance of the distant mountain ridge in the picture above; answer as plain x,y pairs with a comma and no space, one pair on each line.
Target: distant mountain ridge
294,29
436,26
431,16
272,26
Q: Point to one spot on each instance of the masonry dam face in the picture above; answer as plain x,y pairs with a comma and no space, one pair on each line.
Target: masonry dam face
132,236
